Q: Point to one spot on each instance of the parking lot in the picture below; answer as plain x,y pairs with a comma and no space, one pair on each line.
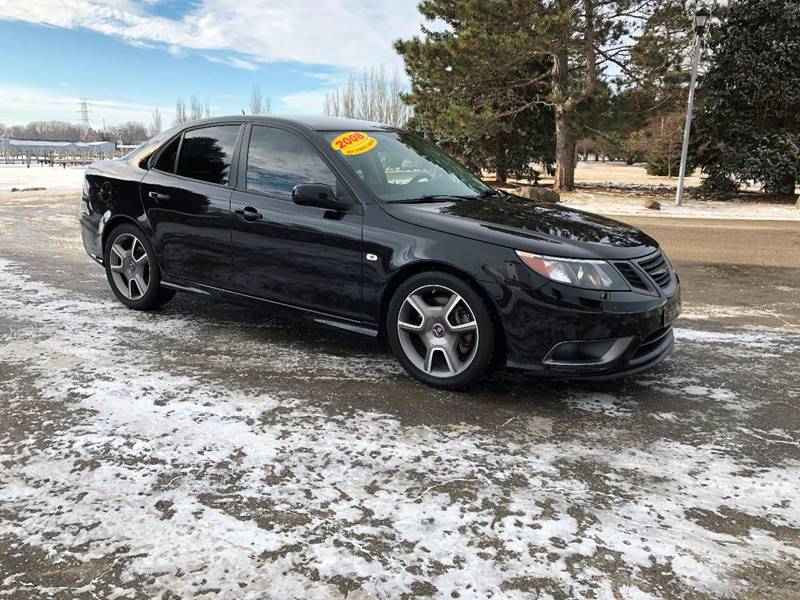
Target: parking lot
213,450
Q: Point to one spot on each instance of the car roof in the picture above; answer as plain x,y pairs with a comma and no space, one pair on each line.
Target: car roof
317,123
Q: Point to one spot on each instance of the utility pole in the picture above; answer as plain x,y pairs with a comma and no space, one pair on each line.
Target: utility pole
84,111
700,18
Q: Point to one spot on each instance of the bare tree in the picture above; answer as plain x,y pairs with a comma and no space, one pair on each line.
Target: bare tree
258,104
256,101
196,109
57,131
397,112
342,102
132,132
180,112
207,109
332,106
372,97
156,123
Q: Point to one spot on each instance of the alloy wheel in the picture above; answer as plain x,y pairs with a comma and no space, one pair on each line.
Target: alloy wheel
130,266
438,331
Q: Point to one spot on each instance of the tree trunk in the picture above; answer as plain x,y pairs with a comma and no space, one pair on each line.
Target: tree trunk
500,162
565,138
565,153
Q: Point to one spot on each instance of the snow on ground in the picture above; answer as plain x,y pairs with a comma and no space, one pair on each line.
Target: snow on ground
57,177
599,172
779,311
617,176
196,486
621,204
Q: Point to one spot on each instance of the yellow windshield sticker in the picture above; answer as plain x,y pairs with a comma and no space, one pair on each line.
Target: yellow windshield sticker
354,142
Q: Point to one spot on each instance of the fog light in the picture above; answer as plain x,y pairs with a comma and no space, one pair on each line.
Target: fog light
594,352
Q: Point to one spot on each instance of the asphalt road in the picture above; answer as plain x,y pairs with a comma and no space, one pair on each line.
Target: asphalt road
214,451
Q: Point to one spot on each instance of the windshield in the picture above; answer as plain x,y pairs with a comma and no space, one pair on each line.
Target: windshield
398,166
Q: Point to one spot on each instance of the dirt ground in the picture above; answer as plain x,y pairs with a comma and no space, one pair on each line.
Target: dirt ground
216,451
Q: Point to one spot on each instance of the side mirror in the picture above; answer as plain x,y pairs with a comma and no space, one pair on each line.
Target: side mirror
320,195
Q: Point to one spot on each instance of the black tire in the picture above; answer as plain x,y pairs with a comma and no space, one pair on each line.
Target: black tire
486,338
156,295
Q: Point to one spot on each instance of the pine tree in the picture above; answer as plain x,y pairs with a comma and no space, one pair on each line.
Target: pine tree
514,57
749,126
468,83
660,58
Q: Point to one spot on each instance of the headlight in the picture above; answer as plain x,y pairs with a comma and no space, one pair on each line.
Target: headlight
590,274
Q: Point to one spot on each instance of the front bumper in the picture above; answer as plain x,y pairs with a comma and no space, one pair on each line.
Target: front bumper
641,357
561,331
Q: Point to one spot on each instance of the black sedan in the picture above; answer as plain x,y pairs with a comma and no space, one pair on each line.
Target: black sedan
373,230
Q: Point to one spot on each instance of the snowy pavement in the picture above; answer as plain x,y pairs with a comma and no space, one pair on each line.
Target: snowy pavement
53,178
208,450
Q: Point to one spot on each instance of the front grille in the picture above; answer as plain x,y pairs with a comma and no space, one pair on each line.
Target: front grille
631,275
658,268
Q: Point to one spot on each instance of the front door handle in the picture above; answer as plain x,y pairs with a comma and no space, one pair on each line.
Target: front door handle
248,213
157,196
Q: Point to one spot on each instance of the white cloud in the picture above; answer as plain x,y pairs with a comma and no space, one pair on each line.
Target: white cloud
232,61
301,103
347,34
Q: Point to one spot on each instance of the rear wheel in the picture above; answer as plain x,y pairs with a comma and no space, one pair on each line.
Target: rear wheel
441,330
132,270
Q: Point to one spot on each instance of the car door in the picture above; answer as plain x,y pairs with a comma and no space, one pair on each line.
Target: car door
299,255
187,195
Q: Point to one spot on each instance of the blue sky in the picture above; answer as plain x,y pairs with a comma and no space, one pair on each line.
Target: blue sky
128,57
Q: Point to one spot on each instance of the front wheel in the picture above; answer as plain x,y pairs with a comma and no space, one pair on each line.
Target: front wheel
132,270
441,330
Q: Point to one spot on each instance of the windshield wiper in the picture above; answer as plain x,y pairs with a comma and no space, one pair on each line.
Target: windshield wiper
444,197
431,198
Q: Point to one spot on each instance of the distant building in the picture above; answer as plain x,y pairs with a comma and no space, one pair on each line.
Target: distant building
55,152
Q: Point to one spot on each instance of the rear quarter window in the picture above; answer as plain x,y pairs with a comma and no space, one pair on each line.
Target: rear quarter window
166,160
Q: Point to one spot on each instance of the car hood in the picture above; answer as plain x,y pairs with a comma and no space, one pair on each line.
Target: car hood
529,225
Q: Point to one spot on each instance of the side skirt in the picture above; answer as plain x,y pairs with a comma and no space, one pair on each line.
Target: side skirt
321,318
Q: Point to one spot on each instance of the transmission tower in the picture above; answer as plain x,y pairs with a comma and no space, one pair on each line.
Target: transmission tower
84,111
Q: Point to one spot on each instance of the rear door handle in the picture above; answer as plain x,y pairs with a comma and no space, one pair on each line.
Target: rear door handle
248,213
157,196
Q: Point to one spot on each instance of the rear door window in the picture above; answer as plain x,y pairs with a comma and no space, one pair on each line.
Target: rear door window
277,160
206,153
